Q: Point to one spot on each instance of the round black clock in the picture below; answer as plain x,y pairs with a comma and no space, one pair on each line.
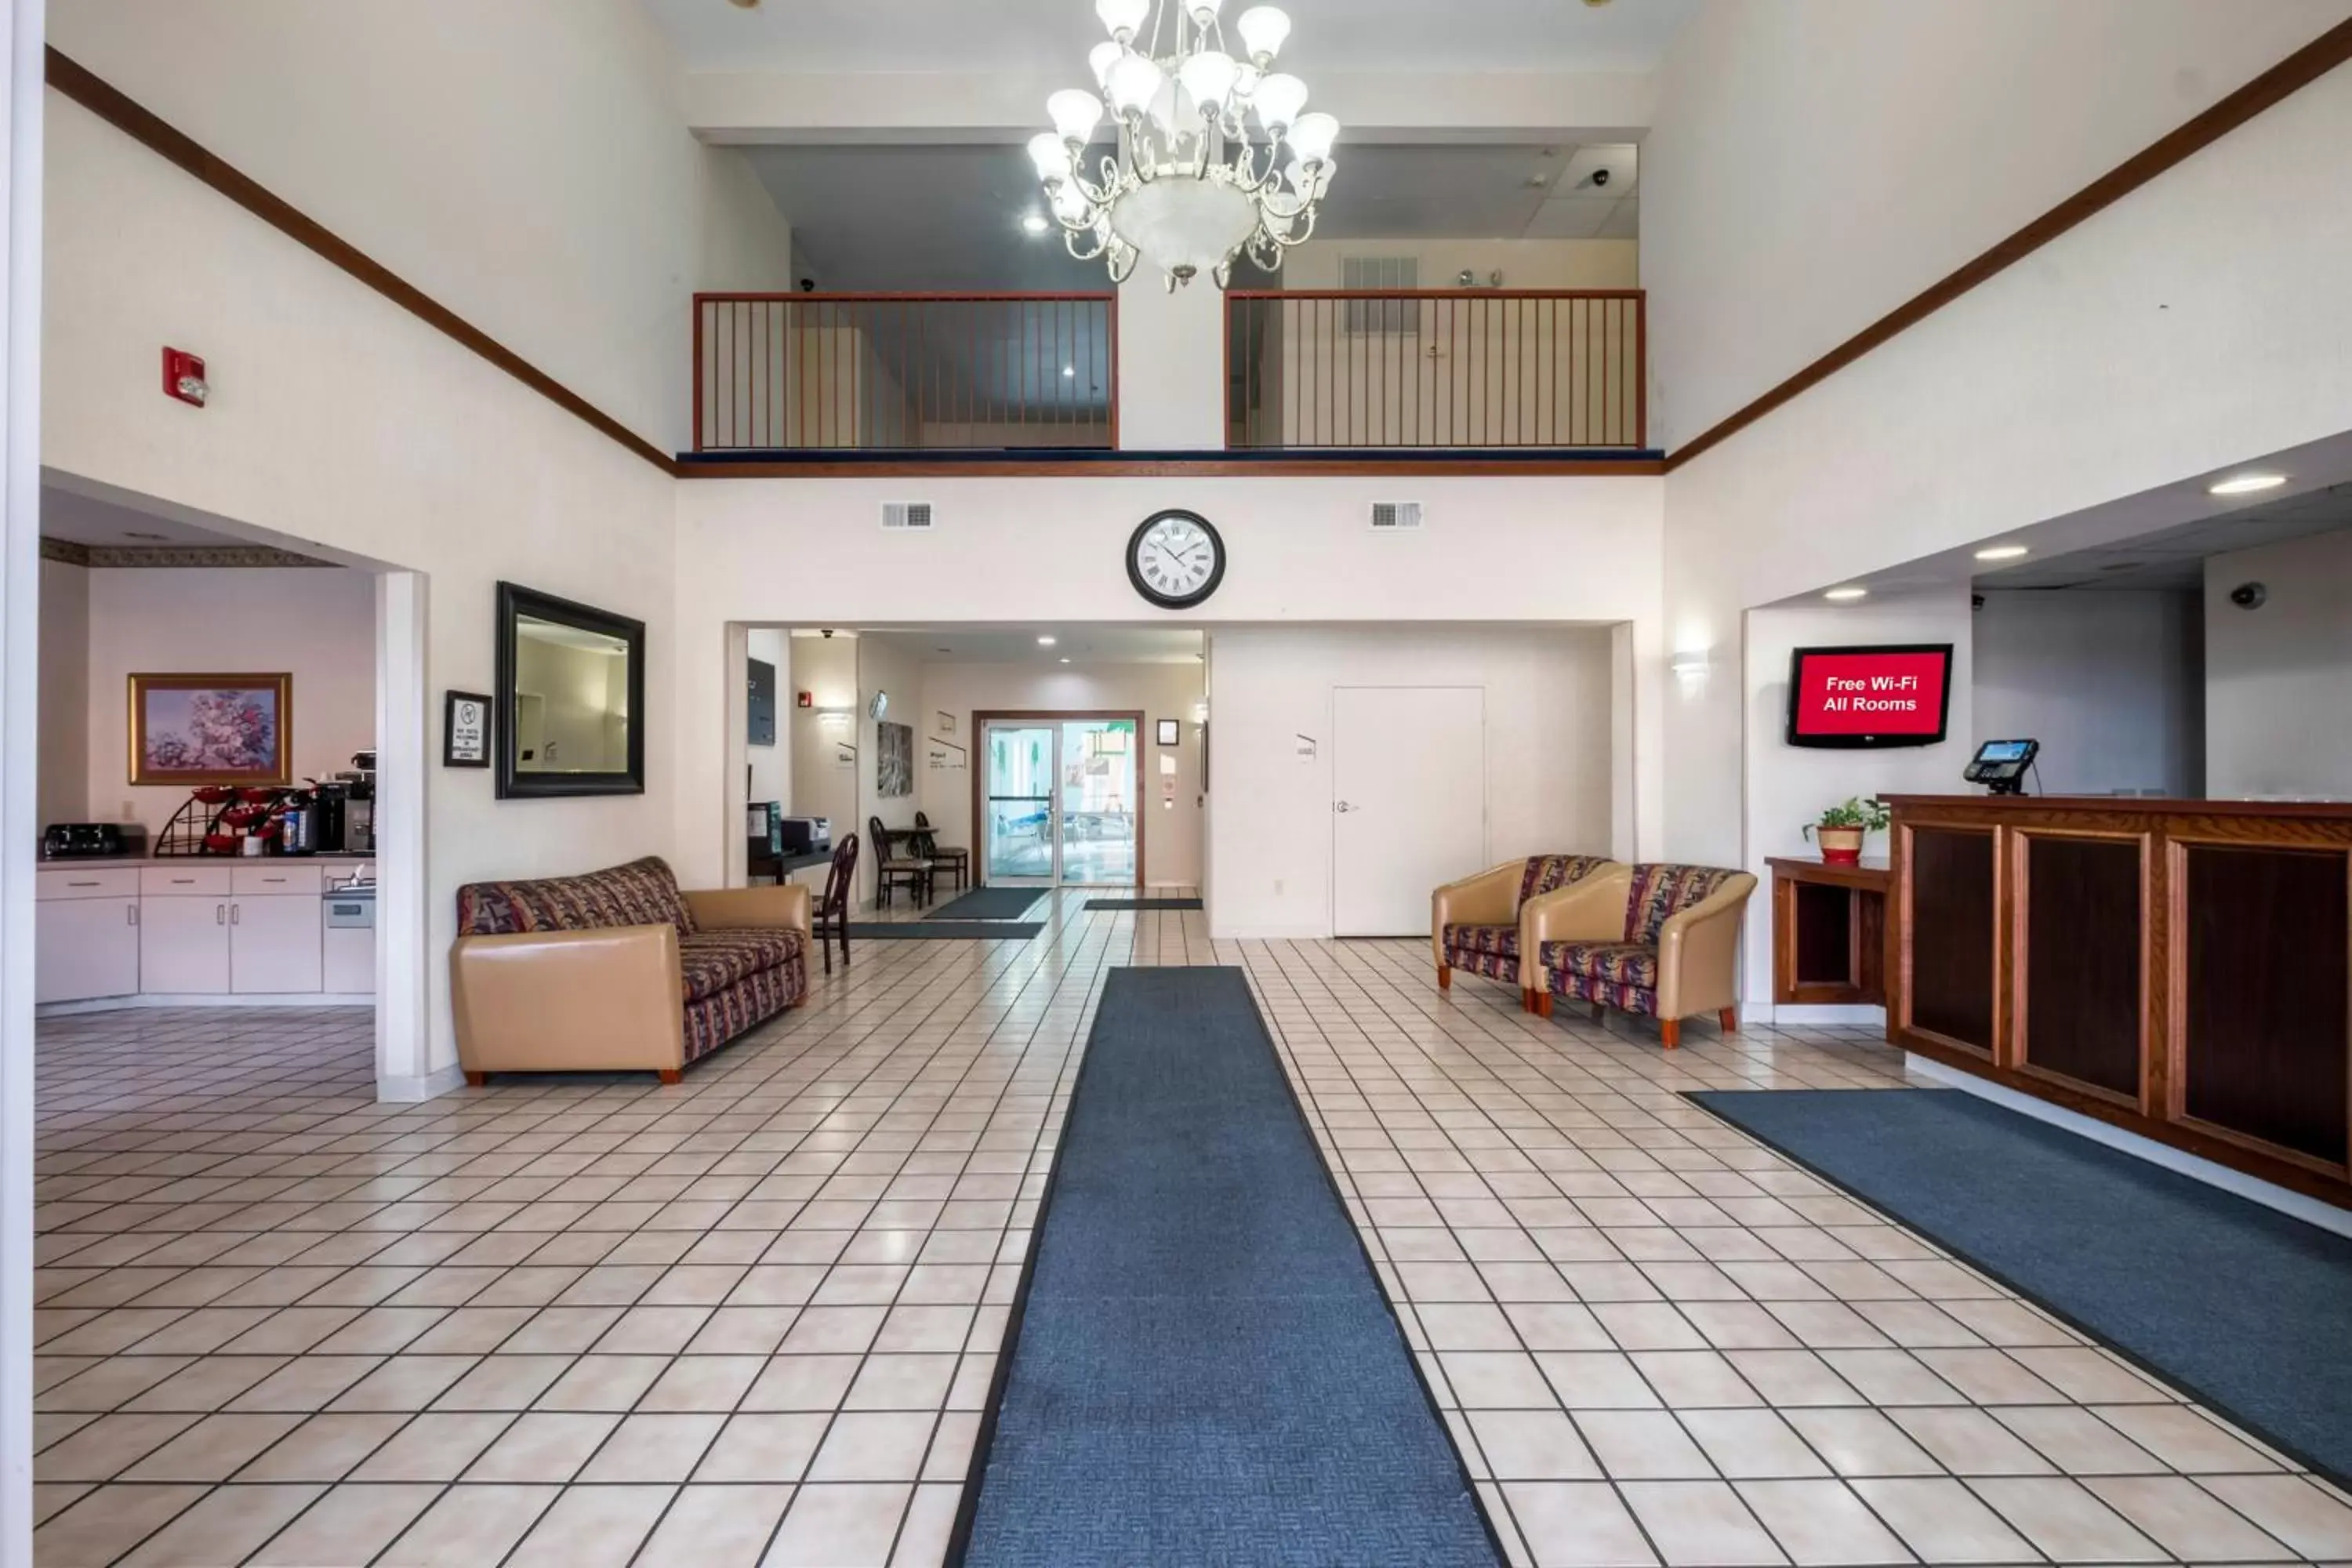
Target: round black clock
1175,559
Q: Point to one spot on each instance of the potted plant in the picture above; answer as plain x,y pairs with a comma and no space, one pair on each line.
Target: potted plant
1841,829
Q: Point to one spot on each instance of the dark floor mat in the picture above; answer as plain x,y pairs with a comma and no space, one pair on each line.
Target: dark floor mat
1143,903
944,931
989,904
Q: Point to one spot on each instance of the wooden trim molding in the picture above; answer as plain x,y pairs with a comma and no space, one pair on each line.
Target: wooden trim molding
135,121
1205,464
2289,76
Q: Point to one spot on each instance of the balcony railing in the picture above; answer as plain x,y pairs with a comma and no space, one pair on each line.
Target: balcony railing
904,372
1474,368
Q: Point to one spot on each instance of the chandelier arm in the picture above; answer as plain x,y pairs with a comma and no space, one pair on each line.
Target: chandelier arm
1301,231
1122,264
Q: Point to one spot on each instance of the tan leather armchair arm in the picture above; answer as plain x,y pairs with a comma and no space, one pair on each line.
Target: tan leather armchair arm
1698,952
1484,899
1590,910
752,909
569,1001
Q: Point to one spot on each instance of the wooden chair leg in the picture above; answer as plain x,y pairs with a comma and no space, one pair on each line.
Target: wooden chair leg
476,1079
1600,1013
1543,1004
1670,1031
1445,977
1526,1001
672,1075
1729,1019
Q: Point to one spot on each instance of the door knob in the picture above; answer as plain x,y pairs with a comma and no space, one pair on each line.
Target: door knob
1341,805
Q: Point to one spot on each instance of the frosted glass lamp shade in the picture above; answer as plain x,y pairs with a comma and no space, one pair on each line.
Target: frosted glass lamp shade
1278,100
1311,136
1102,57
1121,19
1076,113
1133,83
1052,156
1203,11
1209,78
1263,29
1186,227
1070,205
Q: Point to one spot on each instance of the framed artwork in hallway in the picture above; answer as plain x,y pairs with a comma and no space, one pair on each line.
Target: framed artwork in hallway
211,729
894,760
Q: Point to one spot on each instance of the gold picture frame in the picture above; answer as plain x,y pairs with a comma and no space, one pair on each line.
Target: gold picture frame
211,728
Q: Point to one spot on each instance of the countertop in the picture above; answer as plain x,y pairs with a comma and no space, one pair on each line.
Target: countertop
102,862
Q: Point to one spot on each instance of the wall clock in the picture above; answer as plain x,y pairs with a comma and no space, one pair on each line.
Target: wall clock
1175,559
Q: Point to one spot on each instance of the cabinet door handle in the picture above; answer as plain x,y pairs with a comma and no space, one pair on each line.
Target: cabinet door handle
131,914
232,913
82,884
220,914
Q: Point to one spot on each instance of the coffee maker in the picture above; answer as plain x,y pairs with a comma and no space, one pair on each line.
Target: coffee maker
359,806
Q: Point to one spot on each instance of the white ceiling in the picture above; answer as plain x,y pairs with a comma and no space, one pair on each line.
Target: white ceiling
948,216
2174,558
1334,35
83,519
1018,645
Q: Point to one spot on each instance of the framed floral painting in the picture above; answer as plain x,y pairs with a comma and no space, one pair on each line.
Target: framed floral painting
211,729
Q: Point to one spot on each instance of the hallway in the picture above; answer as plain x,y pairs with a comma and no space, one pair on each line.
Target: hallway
753,1318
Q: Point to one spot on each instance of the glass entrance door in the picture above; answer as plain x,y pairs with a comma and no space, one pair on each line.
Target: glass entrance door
1059,800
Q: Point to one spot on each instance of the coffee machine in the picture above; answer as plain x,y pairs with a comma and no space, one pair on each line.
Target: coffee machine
359,806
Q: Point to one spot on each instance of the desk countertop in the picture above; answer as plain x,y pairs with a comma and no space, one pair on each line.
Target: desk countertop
135,862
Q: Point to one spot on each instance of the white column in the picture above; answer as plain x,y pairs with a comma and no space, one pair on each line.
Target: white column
404,773
20,633
1171,364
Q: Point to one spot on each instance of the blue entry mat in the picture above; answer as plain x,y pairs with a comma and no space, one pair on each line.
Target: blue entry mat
1202,1369
1143,903
2245,1308
989,904
944,931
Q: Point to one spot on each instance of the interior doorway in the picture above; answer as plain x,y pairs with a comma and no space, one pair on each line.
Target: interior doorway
1058,798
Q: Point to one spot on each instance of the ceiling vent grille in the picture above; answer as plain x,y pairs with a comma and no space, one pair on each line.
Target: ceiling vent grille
914,516
1395,516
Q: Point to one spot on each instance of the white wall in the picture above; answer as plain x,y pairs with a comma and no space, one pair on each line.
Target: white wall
1548,761
2112,684
1783,787
885,665
1172,834
65,693
341,424
1171,365
318,625
1814,163
526,163
826,668
2194,325
2278,680
771,766
810,552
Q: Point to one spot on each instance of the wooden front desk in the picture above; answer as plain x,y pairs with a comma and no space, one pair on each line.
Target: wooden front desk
1829,933
2181,968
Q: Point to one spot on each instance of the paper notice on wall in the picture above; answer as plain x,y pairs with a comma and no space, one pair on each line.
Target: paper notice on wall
1168,768
1306,748
844,759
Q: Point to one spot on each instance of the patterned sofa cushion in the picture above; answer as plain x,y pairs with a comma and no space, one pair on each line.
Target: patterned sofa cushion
1550,873
641,893
1488,949
1660,891
1615,962
711,960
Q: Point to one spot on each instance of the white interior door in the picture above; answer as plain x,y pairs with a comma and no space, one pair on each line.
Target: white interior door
1409,802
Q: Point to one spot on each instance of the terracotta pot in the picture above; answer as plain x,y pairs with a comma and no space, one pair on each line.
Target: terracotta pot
1839,846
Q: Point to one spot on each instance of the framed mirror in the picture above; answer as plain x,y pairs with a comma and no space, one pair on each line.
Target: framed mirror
571,698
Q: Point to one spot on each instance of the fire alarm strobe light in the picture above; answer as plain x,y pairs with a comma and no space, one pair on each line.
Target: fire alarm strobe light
183,377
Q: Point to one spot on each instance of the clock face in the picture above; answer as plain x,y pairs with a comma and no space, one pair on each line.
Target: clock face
1175,559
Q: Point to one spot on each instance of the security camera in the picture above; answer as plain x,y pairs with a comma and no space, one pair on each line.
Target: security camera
1600,178
808,285
2250,595
827,634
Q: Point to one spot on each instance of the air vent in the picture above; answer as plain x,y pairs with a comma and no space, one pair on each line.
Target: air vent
1395,516
1387,274
907,515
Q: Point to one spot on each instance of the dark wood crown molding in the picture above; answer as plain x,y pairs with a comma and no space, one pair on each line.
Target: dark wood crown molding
2282,80
135,121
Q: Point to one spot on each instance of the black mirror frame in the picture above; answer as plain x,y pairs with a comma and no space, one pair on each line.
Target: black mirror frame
516,602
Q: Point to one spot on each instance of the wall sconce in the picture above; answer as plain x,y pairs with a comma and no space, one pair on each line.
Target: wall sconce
1688,666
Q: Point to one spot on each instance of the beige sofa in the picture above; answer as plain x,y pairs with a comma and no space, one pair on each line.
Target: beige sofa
619,970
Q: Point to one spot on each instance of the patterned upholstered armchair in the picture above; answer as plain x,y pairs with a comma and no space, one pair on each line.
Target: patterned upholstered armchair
618,969
1668,946
1475,924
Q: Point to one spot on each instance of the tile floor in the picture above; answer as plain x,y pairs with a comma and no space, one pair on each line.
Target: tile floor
752,1319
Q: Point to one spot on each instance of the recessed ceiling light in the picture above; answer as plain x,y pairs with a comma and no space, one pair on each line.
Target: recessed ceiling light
2000,553
2246,484
1846,596
744,5
1065,661
1069,369
1044,642
1033,223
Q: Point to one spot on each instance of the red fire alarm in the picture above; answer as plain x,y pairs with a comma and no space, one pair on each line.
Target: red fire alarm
183,377
804,699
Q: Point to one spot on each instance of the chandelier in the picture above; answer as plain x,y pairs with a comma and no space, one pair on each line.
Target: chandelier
1213,158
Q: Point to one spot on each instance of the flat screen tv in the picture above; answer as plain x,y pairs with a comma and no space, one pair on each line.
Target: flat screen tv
1856,699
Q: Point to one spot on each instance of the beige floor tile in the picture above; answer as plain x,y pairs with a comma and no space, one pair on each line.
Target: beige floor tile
544,1446
1576,1524
2183,1439
1942,1521
2290,1507
2065,1521
591,1527
104,1448
1597,1380
705,1383
650,1448
1969,1442
2076,1441
874,1445
1495,1380
838,1526
772,1448
901,1382
718,1526
802,1383
1752,1445
230,1522
348,1524
1822,1524
1860,1442
1532,1446
1642,1445
107,1522
2187,1521
322,1448
434,1446
468,1525
603,1382
1702,1524
930,1523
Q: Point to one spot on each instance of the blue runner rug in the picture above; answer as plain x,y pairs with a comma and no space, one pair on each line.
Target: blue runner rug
1202,1369
2245,1308
989,904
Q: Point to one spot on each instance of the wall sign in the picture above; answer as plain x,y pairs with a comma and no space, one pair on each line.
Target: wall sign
464,729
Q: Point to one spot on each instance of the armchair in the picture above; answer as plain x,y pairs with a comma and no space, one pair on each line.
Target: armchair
1477,923
1668,949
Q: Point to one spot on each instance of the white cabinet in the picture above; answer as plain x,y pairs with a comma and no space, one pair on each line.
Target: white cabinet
84,947
183,944
273,944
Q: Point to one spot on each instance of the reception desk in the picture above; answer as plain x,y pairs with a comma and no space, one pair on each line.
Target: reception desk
2181,968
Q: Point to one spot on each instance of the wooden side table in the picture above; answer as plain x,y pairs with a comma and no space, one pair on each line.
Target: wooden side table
1829,932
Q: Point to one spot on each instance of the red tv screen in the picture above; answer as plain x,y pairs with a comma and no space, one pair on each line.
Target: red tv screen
1866,696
